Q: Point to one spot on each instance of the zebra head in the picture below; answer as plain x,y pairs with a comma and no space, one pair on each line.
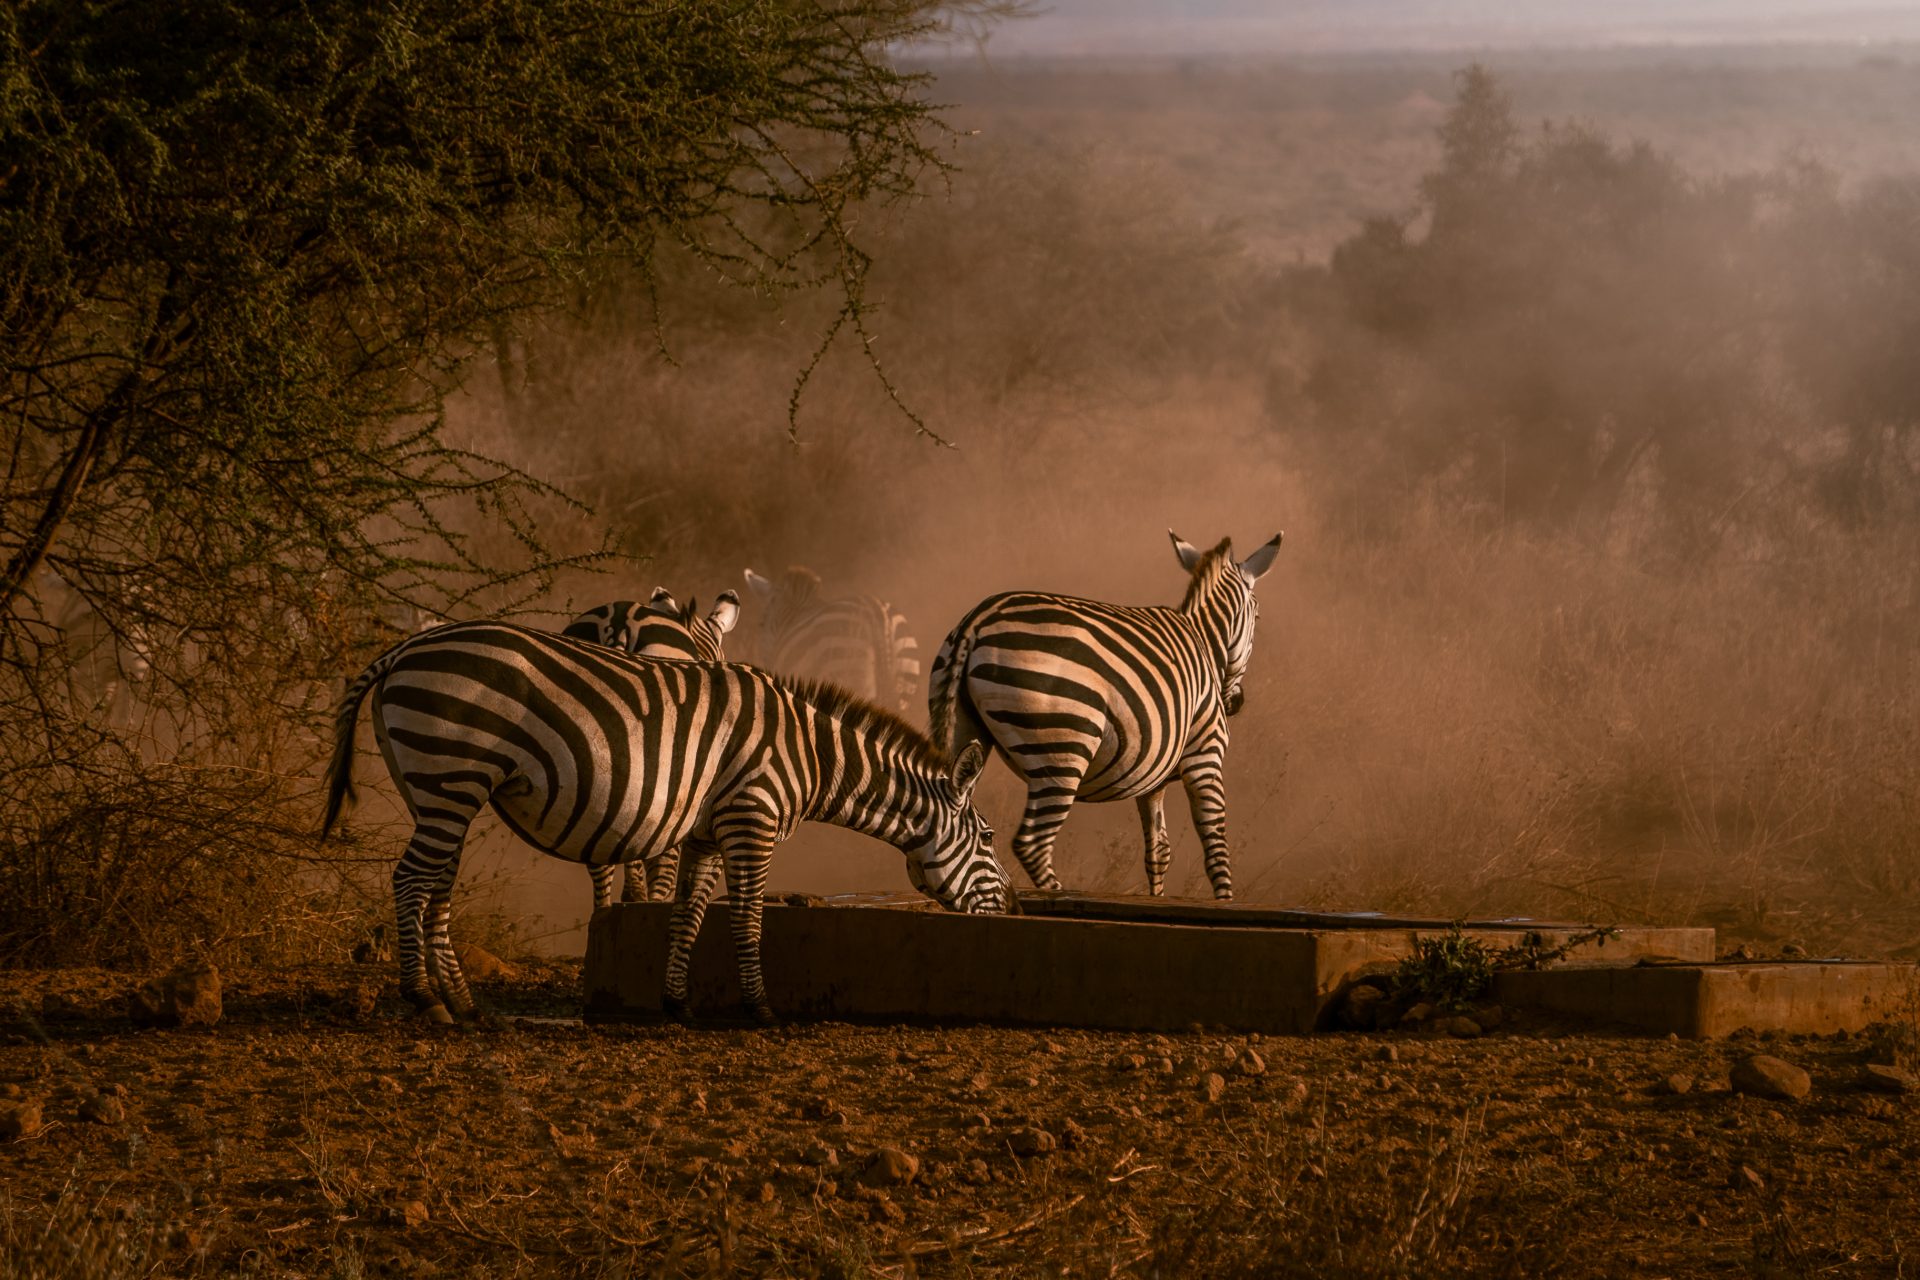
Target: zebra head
954,862
1220,599
708,633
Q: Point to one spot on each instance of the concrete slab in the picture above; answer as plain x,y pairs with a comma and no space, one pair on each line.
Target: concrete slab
1703,1001
862,958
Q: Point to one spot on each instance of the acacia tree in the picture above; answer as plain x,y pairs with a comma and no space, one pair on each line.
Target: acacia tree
248,247
240,242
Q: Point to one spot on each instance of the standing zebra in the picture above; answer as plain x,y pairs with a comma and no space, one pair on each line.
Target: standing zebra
1099,702
593,755
860,642
658,629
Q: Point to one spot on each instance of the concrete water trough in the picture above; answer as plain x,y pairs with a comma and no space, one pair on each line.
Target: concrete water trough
1121,963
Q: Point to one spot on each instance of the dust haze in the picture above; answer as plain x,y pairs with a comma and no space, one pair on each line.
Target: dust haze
1581,385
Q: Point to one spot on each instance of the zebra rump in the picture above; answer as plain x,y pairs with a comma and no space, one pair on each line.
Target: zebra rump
1093,701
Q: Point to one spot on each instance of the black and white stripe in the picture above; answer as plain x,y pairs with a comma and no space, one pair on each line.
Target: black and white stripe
661,628
594,756
859,642
1093,701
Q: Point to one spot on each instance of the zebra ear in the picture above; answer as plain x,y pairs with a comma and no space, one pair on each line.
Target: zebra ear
690,610
726,612
1188,553
663,599
1255,565
761,586
966,770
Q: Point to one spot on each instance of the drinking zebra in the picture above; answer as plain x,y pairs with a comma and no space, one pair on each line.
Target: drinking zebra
661,628
592,755
859,642
1097,702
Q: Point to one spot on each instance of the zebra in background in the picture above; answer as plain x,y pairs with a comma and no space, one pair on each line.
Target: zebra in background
593,755
858,642
659,629
1092,701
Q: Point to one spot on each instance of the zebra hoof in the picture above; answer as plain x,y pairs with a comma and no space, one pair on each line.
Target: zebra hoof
437,1014
674,1007
762,1015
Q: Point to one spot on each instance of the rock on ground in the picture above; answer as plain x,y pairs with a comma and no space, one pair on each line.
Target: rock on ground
187,997
1765,1076
1882,1078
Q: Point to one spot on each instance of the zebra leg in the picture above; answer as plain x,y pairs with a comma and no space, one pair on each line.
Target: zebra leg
699,877
602,885
424,876
1207,795
747,859
1049,800
633,887
663,875
443,966
1153,825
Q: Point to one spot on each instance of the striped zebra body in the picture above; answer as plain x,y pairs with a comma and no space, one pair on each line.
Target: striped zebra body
1098,702
859,642
597,756
661,628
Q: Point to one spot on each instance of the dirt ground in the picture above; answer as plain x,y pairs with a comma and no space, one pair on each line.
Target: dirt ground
317,1131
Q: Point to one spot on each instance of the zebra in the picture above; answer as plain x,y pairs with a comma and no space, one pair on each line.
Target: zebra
593,755
860,642
1097,702
659,629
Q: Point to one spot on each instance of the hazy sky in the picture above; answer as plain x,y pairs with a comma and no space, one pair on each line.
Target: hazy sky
1262,26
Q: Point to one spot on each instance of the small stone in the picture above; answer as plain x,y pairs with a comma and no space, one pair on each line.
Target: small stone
414,1213
890,1166
1742,952
1129,1062
478,962
1416,1015
1748,1180
821,1156
1214,1086
1164,1066
193,995
1032,1142
1296,1094
20,1120
187,997
1388,1053
1489,1016
1794,951
56,1006
1055,1047
1250,1063
102,1108
1676,1084
1072,1136
882,1209
1882,1078
390,1084
1462,1027
1768,1077
977,1172
1357,1011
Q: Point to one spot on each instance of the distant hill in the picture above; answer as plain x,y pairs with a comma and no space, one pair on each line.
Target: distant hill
1135,27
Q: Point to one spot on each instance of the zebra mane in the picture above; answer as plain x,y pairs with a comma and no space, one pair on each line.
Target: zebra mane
831,699
1206,571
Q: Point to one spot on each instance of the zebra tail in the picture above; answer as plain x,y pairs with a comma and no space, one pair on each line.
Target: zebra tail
340,795
944,685
904,651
